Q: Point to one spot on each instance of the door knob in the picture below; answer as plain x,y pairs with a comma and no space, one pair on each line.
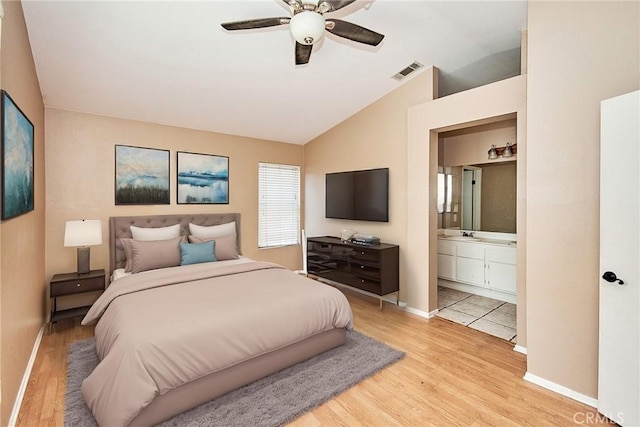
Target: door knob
610,276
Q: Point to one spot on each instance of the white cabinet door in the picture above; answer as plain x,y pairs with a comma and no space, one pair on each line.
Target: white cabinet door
619,346
501,269
446,259
447,266
502,277
470,270
470,263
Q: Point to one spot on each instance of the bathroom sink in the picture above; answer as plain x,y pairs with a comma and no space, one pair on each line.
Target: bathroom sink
464,238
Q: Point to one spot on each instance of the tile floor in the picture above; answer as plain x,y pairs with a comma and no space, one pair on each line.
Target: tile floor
494,317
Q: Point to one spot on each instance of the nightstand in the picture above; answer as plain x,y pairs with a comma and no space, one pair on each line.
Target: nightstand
72,284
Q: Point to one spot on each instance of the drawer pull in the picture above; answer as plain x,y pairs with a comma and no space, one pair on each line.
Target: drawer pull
78,284
362,280
362,266
361,253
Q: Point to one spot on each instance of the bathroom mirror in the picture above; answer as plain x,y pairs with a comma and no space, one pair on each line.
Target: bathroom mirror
478,197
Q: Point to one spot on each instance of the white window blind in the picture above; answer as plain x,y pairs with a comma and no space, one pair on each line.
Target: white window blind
278,205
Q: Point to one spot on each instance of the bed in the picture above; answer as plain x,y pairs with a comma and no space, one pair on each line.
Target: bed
172,338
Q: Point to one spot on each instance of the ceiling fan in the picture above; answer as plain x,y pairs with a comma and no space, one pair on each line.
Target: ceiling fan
308,24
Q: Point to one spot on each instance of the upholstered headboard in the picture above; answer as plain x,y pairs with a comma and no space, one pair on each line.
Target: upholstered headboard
119,226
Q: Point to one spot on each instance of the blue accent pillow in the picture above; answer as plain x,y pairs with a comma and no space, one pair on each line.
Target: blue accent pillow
194,253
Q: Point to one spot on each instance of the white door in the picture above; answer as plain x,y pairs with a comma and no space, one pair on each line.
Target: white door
619,347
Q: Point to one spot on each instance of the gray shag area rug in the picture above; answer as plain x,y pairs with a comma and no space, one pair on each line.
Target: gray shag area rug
271,401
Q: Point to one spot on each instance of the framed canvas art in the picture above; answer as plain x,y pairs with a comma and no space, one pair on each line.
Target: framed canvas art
142,176
17,160
202,178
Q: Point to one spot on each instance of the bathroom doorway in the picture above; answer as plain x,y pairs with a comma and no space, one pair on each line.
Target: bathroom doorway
477,263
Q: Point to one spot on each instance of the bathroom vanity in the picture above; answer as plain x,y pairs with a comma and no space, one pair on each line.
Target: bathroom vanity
480,265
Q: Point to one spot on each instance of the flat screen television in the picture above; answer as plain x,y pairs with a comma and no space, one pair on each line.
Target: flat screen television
358,195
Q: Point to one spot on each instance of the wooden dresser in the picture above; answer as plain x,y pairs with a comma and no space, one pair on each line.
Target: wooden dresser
372,268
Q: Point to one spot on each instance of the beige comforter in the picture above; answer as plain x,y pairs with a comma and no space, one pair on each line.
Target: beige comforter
160,329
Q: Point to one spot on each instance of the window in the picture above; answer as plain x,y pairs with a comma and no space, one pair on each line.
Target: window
278,205
445,192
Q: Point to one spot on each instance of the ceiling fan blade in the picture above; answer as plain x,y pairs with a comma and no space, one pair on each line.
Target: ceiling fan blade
353,32
255,23
337,4
303,53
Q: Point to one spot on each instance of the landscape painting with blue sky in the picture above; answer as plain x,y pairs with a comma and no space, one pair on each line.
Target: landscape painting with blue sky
142,176
203,178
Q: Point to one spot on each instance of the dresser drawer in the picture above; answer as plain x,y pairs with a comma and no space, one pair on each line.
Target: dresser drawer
69,287
364,255
320,248
365,284
367,271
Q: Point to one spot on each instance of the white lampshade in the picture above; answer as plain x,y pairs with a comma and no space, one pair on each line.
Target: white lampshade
84,232
307,27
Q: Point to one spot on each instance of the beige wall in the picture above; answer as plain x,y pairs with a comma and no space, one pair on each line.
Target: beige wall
80,158
579,53
22,278
373,138
469,146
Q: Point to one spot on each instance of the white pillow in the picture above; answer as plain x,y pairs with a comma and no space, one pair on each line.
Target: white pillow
213,230
157,233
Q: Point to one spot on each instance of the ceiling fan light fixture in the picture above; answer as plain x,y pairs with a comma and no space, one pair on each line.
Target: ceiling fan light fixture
307,27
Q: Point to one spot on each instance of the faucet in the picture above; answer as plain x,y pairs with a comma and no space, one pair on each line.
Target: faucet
469,234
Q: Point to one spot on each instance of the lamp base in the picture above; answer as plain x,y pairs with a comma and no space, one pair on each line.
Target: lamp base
84,261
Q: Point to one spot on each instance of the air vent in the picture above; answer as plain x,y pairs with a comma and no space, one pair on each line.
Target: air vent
408,70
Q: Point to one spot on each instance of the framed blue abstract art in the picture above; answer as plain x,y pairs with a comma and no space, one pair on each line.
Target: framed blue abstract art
17,160
202,178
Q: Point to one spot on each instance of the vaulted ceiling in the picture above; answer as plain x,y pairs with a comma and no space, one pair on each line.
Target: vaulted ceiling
171,62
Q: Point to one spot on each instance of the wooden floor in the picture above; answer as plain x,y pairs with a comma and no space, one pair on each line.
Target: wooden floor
451,376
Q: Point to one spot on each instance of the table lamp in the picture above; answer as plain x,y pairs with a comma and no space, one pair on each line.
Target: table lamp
83,233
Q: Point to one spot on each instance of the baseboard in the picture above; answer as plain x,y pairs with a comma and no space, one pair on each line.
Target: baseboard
520,349
425,314
392,300
564,391
13,420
